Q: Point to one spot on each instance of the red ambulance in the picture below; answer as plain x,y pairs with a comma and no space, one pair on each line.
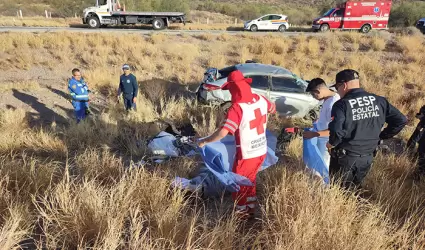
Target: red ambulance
356,15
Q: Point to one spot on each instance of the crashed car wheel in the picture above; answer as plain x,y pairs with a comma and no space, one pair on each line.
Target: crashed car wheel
225,107
313,114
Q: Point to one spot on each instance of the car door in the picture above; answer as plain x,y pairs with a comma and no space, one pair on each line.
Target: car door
264,22
275,22
336,19
260,84
290,97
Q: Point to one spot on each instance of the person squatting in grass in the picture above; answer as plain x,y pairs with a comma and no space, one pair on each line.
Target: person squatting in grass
356,129
418,137
79,92
247,121
128,87
320,91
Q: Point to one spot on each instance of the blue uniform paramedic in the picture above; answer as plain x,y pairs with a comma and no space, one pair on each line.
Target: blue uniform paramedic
320,91
128,88
79,92
356,128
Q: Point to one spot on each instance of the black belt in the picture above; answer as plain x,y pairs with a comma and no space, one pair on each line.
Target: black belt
340,151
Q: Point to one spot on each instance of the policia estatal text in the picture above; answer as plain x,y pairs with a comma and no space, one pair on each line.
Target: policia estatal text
356,129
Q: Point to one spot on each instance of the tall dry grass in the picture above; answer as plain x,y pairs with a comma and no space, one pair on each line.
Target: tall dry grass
73,187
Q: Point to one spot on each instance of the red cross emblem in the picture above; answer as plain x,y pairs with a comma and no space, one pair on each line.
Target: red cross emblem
258,122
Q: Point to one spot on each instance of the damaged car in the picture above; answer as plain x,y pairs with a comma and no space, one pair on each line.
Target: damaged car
279,85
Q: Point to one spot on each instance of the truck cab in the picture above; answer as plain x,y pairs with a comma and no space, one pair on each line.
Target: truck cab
332,19
355,15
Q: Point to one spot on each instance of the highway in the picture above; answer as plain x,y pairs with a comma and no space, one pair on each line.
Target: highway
143,31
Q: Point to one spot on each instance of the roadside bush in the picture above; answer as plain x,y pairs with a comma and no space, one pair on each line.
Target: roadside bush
407,14
298,14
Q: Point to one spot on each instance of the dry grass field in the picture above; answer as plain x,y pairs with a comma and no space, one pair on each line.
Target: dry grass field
68,186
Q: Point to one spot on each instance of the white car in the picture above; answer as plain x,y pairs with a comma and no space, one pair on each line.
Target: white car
277,22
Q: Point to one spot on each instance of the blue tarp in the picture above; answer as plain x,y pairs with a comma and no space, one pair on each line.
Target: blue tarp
312,157
217,176
219,157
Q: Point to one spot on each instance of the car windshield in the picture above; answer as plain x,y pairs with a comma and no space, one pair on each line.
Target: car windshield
300,82
328,12
225,72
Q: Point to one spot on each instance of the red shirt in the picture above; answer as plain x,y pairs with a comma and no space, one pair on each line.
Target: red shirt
234,117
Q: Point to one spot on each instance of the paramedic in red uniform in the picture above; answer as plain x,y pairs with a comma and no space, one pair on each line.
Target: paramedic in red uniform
247,121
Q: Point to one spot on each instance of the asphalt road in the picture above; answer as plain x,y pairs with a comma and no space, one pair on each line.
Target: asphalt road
143,31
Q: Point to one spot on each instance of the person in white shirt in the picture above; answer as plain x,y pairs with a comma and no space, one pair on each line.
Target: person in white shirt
320,91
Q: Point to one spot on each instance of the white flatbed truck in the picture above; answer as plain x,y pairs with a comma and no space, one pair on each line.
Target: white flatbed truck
110,12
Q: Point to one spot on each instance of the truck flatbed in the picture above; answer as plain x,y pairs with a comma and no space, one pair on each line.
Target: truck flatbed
135,13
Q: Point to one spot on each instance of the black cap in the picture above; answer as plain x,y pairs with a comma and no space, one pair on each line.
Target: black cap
345,76
313,83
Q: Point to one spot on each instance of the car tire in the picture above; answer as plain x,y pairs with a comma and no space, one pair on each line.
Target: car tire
158,24
324,27
93,22
366,28
254,28
282,28
313,114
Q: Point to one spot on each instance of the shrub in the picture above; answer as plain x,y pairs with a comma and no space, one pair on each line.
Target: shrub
407,13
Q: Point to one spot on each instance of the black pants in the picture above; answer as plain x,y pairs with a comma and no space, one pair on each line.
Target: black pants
129,104
421,155
350,169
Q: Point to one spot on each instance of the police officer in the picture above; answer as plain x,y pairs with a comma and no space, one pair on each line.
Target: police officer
79,92
128,87
356,128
